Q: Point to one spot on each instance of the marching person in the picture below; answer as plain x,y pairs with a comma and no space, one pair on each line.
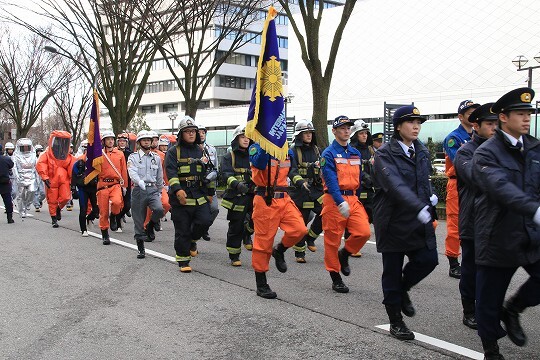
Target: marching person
484,124
377,140
211,177
273,208
238,197
341,172
10,150
146,173
25,160
6,166
362,141
403,206
189,194
451,144
112,182
506,168
122,142
55,167
149,225
39,194
86,192
305,174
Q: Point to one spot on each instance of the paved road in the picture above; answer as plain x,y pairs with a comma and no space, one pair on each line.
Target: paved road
68,297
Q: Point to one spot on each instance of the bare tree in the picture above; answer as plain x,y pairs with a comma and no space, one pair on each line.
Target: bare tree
73,106
308,37
29,77
107,40
210,31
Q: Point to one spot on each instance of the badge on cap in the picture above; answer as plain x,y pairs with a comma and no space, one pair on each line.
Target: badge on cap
526,97
416,111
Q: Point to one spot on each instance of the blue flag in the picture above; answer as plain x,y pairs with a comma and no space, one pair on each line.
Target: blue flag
94,153
267,123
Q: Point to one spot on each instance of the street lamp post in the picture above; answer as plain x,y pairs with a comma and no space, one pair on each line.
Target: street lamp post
172,116
520,61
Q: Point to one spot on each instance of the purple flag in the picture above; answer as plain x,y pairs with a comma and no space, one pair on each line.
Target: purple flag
94,154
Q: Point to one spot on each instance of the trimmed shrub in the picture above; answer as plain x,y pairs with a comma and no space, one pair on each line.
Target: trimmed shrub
438,183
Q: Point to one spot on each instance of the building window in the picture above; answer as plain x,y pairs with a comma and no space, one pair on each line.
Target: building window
170,108
149,109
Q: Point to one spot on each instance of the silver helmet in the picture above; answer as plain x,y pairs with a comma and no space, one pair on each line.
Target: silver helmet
359,125
187,122
303,125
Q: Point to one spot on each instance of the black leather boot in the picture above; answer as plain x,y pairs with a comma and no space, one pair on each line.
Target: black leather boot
469,311
455,268
112,222
119,223
337,283
263,290
398,329
54,222
510,316
140,246
58,214
105,237
279,255
406,305
343,256
10,218
491,350
150,231
157,226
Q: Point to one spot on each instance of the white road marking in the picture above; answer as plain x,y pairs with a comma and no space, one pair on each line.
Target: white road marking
441,344
134,247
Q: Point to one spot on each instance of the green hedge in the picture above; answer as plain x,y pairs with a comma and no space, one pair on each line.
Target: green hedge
438,182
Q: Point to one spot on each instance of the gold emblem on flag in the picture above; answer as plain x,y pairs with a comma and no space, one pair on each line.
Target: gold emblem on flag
271,79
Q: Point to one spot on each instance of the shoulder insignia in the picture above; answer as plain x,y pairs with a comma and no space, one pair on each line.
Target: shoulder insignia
451,142
322,162
253,151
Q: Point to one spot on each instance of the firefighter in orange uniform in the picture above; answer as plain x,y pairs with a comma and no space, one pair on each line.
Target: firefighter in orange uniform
451,144
55,167
341,164
272,208
151,235
112,182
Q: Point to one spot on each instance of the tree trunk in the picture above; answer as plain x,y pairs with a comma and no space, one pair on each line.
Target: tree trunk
320,110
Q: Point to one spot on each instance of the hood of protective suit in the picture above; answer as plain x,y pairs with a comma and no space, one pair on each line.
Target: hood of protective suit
24,151
59,143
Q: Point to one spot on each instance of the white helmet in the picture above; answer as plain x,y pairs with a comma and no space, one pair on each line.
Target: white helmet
187,121
359,125
202,127
303,125
24,145
39,147
144,134
9,145
240,129
164,140
154,134
107,134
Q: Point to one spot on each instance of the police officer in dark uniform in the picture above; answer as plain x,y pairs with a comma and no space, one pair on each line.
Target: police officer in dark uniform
305,174
189,195
238,197
377,140
506,168
403,216
484,124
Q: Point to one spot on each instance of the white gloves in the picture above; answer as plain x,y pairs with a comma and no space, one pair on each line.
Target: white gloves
344,209
211,176
142,185
536,217
434,200
424,216
124,191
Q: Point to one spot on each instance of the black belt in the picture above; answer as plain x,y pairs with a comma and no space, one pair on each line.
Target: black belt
452,177
276,189
344,192
109,180
276,195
